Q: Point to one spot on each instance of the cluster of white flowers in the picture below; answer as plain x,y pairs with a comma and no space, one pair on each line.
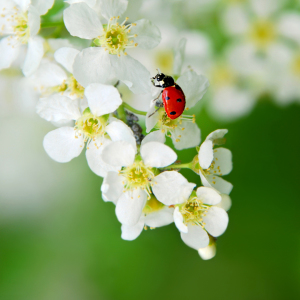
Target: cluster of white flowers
80,95
252,55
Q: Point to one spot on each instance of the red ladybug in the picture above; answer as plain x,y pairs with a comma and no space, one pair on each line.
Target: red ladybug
172,95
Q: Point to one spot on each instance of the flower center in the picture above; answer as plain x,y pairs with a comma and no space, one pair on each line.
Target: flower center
16,22
116,37
152,205
70,85
222,75
138,175
90,126
168,126
263,33
193,211
74,87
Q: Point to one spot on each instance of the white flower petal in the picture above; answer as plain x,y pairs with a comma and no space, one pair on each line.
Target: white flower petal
148,34
132,73
82,21
178,220
196,237
179,56
157,155
233,15
264,8
66,56
48,74
225,202
90,3
112,8
208,195
289,25
216,221
222,162
34,55
119,154
206,154
23,4
217,183
194,87
34,21
208,252
61,144
102,99
95,162
92,65
217,134
155,136
9,53
57,108
42,5
130,233
153,119
119,131
231,102
55,44
160,217
112,187
188,138
171,187
130,205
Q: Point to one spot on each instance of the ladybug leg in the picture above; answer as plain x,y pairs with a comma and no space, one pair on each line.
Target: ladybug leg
159,104
154,100
155,111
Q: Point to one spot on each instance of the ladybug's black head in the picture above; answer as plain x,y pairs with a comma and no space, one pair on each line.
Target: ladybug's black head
162,80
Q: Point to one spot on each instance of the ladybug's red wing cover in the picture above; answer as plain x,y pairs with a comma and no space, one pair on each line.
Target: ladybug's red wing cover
174,101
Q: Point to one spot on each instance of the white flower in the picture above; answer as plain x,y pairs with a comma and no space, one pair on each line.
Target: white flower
51,79
109,61
196,215
183,131
209,251
154,214
215,162
262,31
234,91
260,23
20,23
131,187
284,78
93,127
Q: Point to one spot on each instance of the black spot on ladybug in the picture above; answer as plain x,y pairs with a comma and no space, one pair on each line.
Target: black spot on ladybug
167,98
177,87
173,113
179,100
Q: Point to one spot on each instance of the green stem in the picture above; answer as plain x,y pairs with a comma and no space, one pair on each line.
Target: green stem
139,112
122,113
52,24
179,166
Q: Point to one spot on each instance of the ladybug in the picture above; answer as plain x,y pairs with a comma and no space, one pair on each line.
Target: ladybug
172,95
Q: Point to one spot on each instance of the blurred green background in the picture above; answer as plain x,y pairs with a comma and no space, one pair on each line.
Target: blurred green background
70,247
60,241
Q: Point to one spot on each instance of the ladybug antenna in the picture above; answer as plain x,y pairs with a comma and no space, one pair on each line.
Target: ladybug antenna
158,70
